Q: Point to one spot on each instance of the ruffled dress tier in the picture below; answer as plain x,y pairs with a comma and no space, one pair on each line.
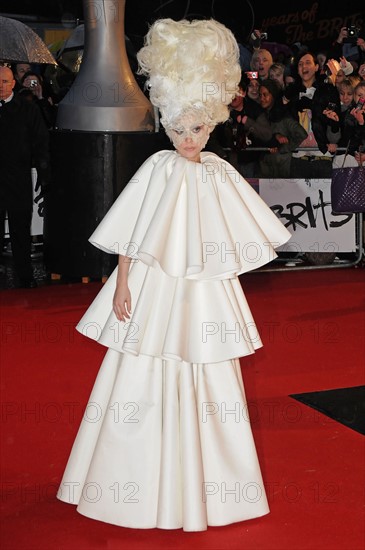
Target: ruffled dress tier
166,439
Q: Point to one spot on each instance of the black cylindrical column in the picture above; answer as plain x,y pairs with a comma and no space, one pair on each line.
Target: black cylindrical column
89,169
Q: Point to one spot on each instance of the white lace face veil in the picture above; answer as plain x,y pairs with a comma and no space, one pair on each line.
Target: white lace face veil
189,126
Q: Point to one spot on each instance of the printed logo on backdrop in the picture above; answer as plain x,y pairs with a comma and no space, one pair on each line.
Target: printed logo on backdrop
304,207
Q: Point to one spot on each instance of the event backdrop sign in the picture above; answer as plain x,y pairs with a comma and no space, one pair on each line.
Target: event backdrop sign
304,207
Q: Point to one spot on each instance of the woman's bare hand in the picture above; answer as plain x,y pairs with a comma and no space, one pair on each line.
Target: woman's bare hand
122,304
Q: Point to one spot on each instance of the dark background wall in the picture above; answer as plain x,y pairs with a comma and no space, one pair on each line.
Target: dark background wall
312,23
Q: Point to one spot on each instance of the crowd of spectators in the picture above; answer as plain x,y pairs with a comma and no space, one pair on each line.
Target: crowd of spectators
293,114
309,109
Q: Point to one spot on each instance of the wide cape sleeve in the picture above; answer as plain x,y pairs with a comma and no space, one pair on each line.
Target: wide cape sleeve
195,220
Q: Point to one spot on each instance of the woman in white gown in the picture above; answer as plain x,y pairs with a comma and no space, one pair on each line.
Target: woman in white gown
166,440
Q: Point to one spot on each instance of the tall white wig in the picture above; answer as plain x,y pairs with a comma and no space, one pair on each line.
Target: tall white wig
190,65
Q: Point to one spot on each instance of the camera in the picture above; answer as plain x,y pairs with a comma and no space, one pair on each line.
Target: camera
352,34
263,36
353,31
33,83
252,74
331,106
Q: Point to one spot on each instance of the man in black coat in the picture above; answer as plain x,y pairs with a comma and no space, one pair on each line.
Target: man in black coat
24,143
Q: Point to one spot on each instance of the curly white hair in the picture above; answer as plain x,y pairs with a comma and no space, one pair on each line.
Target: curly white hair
190,65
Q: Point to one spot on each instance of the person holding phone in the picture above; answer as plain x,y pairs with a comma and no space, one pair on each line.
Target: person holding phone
349,43
33,89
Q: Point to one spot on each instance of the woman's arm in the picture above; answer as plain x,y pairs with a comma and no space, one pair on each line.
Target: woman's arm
122,296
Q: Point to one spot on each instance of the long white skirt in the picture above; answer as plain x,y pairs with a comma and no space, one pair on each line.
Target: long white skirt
165,444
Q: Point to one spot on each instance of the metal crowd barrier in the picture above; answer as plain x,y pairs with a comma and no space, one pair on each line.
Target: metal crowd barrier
301,261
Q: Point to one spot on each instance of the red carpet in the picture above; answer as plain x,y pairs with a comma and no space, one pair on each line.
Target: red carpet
312,325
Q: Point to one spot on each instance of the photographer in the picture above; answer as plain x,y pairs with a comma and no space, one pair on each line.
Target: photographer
350,44
33,90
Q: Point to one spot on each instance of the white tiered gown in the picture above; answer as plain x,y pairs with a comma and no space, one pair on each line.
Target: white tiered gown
166,439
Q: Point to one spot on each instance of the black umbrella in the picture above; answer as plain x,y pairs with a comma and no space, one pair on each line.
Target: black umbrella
20,44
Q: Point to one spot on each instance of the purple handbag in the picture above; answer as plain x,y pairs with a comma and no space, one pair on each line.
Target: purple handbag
348,189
